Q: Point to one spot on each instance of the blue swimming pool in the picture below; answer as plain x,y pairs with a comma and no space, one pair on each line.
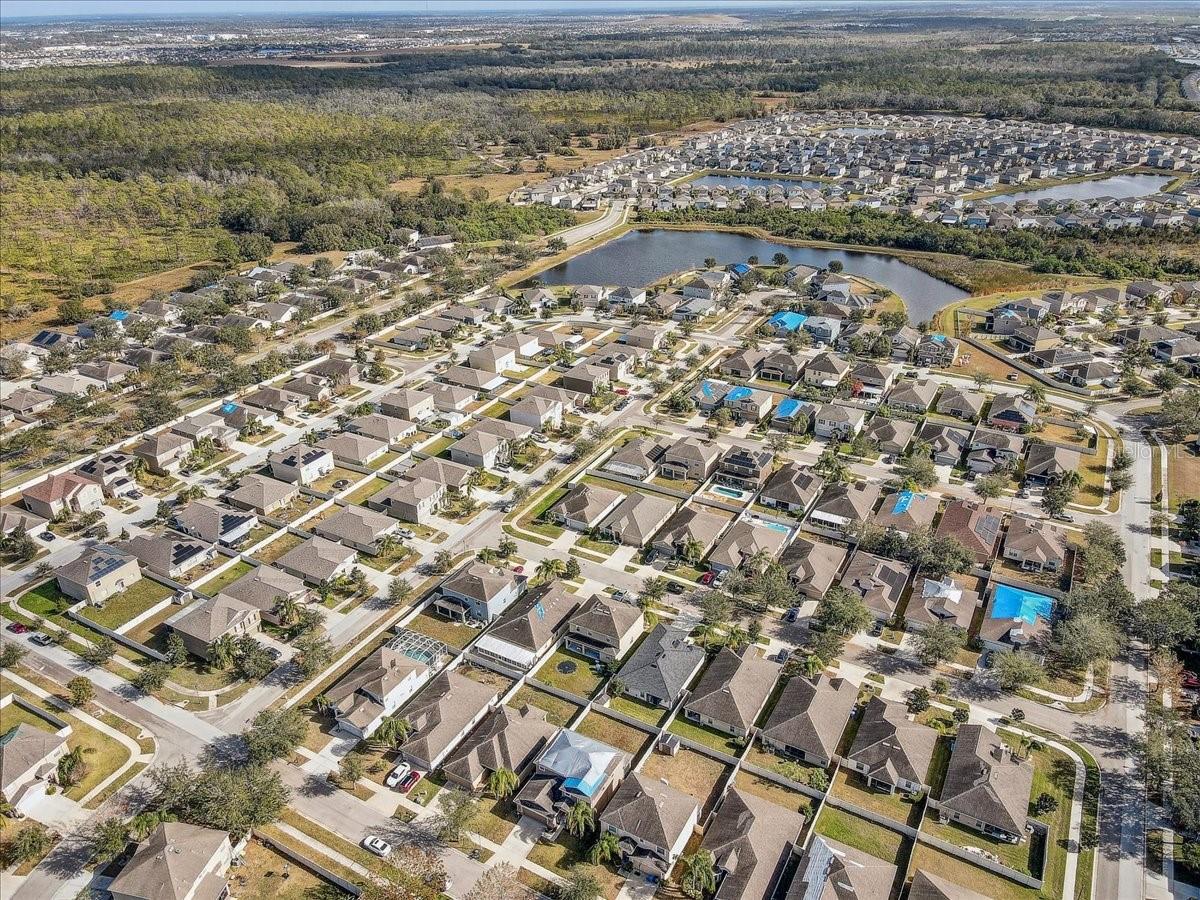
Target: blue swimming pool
1014,603
729,492
775,526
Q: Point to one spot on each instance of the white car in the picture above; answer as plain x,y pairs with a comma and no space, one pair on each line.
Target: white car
377,845
397,774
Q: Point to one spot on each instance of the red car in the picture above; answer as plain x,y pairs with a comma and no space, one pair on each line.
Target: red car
1191,680
624,392
707,577
518,569
17,628
410,782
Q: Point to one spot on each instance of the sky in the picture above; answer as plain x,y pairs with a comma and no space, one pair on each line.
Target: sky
73,8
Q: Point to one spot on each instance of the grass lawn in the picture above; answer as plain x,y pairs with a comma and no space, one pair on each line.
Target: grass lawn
265,873
45,600
962,872
450,633
496,819
797,770
326,484
1015,856
851,787
529,520
600,548
567,852
1183,474
702,734
259,533
569,672
776,793
302,505
558,711
384,459
149,628
615,734
425,791
438,446
8,837
857,832
218,583
278,547
131,602
1094,469
367,489
695,774
643,712
485,676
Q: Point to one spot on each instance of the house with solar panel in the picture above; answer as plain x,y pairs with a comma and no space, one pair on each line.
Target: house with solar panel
98,573
573,768
167,555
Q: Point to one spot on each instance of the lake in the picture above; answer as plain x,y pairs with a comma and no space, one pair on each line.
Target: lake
639,257
1118,186
753,181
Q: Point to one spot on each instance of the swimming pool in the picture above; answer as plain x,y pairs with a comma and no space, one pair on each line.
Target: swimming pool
1015,603
729,492
774,526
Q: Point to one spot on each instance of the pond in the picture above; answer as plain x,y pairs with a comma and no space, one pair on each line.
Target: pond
1118,186
752,181
640,257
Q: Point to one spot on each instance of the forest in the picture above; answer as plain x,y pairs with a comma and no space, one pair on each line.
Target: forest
113,172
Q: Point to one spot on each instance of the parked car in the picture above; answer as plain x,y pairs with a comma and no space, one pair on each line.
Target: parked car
47,535
792,614
622,392
1062,517
877,629
377,845
397,775
41,639
409,782
539,438
674,587
17,628
407,533
1191,679
707,577
783,655
135,495
986,660
1013,376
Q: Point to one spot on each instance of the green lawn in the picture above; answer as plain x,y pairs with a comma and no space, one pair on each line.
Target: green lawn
366,490
131,602
702,734
558,711
278,547
854,831
852,787
960,871
797,770
218,583
776,793
450,633
615,734
643,712
579,680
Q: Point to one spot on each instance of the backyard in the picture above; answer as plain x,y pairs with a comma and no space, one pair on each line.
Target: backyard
218,583
776,793
702,734
558,711
616,734
959,871
264,873
450,633
569,672
855,831
695,774
852,788
130,603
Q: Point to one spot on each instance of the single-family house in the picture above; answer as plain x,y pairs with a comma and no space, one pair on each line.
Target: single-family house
300,464
526,632
946,443
572,768
177,861
941,601
986,787
1035,544
1012,412
690,459
168,556
363,529
442,714
732,691
890,436
751,839
264,588
826,370
961,403
508,739
808,719
913,396
973,524
478,592
205,621
164,453
812,566
906,512
653,823
381,684
1047,464
833,421
892,751
793,488
843,507
637,518
318,560
215,522
262,494
662,666
352,448
879,582
29,758
745,540
604,629
63,495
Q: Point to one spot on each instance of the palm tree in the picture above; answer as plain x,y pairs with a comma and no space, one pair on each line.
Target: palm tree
693,550
221,652
699,876
736,637
580,818
550,569
287,609
616,687
502,783
607,847
812,665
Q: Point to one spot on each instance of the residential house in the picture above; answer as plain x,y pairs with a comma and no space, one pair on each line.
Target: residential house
410,499
830,869
207,426
572,768
906,512
637,518
454,476
28,402
537,413
282,403
891,751
986,787
751,839
508,739
843,507
1047,464
833,421
493,358
352,448
812,566
710,395
164,453
526,632
176,862
29,758
973,524
442,714
63,495
301,464
913,396
746,540
689,533
1029,338
336,370
653,823
793,488
214,522
890,436
585,505
1025,628
205,621
824,329
110,374
636,459
661,666
1036,545
873,379
488,444
586,378
263,588
318,560
748,404
781,366
941,601
879,582
312,387
479,592
604,629
991,449
378,686
1089,374
363,529
262,494
961,403
745,468
384,428
1012,412
410,404
690,459
647,337
732,691
743,364
168,556
809,718
936,350
475,380
826,370
946,443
